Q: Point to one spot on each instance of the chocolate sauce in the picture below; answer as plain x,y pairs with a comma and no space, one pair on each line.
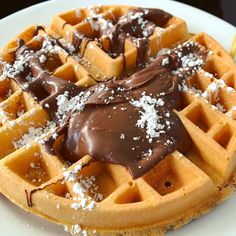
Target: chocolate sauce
46,88
63,26
108,132
137,25
142,48
77,39
124,72
20,43
38,28
107,126
87,41
99,129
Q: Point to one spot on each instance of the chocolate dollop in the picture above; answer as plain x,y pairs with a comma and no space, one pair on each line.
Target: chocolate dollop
107,127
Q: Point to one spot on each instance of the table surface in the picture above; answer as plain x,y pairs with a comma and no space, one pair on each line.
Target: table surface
225,9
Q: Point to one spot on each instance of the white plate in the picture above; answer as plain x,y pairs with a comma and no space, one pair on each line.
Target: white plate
14,221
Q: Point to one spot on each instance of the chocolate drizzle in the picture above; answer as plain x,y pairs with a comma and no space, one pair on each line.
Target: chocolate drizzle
85,47
142,48
137,25
107,126
77,39
107,130
38,28
20,43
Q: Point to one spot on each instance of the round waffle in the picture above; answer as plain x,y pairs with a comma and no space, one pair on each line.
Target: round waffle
92,196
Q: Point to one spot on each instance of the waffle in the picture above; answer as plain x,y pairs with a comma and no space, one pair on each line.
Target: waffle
91,197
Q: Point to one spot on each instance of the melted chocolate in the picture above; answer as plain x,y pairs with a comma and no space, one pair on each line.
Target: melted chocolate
77,39
38,28
98,128
137,29
85,46
20,43
107,127
130,27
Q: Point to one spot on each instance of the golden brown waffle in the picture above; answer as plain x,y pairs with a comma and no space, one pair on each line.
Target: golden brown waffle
176,190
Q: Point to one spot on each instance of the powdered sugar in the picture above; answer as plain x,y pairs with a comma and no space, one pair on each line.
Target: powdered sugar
82,187
212,92
11,71
4,116
71,176
149,119
97,20
165,61
190,62
76,230
66,105
38,135
49,46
